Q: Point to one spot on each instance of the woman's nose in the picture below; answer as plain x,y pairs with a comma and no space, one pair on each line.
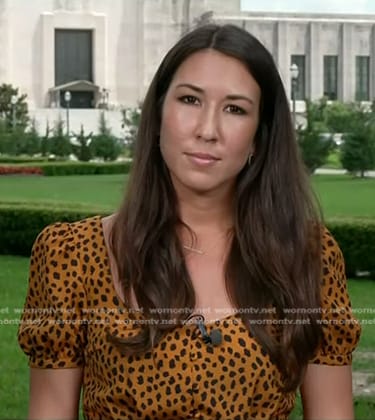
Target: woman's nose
207,127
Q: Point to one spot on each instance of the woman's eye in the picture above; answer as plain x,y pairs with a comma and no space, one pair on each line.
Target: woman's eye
189,99
234,109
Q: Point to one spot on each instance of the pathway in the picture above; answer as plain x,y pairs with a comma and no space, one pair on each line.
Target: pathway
364,381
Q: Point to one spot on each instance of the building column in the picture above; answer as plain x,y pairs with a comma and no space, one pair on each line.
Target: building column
140,40
281,54
314,64
5,40
346,65
372,64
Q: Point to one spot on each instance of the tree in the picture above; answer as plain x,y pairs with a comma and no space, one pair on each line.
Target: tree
358,148
32,141
45,145
130,122
14,119
11,141
105,145
17,141
59,143
82,150
316,114
338,115
20,107
4,134
314,141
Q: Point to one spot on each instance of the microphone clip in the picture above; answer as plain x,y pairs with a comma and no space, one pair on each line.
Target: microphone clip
214,338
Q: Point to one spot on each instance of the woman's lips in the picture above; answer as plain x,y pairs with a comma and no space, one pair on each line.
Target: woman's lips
202,159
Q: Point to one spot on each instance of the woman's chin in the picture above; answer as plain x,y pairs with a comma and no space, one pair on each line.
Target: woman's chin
204,187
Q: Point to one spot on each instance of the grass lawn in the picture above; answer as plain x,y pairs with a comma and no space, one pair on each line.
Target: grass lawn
13,364
333,160
362,294
340,196
101,190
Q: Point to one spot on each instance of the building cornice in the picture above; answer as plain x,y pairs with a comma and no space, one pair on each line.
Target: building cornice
299,17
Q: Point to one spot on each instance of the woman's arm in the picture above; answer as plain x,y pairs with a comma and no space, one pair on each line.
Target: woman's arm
327,393
54,393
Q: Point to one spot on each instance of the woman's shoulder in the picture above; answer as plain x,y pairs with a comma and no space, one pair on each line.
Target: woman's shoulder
332,258
52,330
62,245
341,331
329,243
69,233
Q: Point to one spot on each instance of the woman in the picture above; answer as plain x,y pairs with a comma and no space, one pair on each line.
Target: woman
214,292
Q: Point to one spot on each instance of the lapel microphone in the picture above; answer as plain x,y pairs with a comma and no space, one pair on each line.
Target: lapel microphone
214,338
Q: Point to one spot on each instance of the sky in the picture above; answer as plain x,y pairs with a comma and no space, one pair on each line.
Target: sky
311,6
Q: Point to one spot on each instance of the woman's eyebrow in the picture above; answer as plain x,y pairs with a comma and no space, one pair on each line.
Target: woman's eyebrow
189,85
232,97
240,97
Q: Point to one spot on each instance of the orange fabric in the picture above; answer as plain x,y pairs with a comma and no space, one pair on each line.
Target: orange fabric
71,303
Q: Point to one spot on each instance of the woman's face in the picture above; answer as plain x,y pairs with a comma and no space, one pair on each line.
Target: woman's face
209,119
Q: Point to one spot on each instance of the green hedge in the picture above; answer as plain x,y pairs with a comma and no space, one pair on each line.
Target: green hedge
84,168
357,242
21,159
21,223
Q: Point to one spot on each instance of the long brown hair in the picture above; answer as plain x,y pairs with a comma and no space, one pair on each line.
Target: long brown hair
274,260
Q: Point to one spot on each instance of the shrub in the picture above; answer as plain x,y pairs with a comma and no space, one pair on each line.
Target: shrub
21,159
358,148
12,143
314,145
105,145
21,223
84,168
82,149
130,122
357,242
6,144
338,116
45,143
59,142
32,140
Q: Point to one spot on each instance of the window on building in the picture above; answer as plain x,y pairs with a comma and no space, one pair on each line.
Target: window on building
73,61
362,78
300,83
330,76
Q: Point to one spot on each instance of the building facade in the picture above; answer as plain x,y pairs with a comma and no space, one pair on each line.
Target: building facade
106,52
335,54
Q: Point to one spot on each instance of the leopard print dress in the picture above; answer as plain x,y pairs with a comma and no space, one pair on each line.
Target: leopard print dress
71,304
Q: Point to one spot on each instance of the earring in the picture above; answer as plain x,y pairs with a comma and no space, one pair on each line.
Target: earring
250,160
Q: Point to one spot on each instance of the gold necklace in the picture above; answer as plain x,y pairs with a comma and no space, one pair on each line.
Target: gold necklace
201,251
196,250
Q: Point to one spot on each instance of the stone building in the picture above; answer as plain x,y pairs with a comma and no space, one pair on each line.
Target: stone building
105,52
335,54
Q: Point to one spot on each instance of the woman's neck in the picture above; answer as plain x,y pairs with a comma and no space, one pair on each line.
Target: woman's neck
206,214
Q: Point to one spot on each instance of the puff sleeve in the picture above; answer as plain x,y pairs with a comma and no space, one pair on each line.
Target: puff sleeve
52,331
341,331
